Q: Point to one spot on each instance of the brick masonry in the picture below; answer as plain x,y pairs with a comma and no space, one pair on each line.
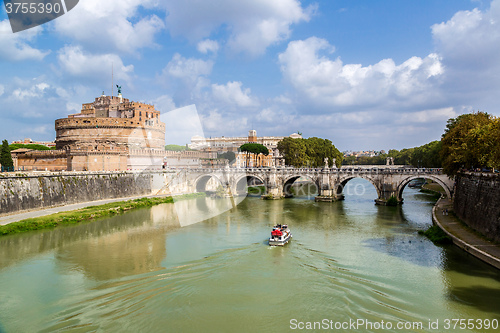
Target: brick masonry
477,202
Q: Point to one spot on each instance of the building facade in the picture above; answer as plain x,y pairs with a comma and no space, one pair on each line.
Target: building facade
225,144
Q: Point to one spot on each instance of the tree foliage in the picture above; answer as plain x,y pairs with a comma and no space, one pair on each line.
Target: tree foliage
471,141
309,152
177,148
254,148
33,146
5,157
426,156
229,155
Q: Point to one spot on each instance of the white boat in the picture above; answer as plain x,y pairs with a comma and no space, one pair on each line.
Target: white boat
280,235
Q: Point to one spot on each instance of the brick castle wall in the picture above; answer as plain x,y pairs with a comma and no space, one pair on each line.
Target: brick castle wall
109,133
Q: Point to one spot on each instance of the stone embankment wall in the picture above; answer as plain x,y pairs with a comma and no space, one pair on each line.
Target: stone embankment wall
28,191
477,202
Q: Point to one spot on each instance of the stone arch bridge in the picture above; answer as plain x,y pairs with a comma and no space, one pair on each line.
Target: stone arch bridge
388,181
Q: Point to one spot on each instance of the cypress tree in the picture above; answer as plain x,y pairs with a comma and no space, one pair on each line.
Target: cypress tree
5,157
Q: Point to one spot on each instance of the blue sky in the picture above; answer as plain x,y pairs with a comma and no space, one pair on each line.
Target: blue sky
365,74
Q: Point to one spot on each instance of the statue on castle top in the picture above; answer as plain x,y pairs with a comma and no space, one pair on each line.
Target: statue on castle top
119,89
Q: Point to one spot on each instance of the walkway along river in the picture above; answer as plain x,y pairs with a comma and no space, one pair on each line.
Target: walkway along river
349,261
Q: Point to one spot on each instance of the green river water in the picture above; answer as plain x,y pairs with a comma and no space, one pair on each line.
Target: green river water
352,266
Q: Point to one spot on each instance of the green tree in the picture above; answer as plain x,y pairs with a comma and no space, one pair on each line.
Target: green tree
293,151
469,142
309,152
33,146
229,155
176,147
495,153
427,156
404,157
349,160
5,156
255,149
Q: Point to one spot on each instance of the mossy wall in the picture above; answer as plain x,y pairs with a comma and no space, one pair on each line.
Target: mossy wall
20,192
477,202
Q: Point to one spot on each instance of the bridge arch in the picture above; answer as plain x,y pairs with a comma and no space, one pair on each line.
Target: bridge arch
241,183
201,182
339,190
406,181
288,183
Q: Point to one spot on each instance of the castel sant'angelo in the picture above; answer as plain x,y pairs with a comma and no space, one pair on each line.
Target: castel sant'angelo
111,133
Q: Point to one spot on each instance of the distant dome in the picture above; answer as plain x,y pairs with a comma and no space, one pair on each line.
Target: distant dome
296,136
197,138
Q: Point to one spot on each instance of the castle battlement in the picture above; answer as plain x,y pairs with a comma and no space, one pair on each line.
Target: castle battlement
109,124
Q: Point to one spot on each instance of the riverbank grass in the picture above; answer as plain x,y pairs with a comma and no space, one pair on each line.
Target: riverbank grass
87,214
256,190
436,235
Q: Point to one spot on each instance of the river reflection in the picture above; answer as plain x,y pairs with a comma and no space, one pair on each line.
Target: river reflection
160,269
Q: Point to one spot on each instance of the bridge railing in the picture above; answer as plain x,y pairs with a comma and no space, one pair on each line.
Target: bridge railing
343,170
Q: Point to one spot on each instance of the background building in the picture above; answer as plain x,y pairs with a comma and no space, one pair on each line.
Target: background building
224,144
28,141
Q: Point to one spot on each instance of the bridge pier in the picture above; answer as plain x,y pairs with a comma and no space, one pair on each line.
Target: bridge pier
325,195
388,195
274,192
327,188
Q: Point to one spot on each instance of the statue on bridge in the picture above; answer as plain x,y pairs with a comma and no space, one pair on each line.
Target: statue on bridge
389,161
326,162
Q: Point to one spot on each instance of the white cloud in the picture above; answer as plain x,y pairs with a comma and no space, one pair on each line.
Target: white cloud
188,68
253,25
181,124
111,25
72,107
78,63
188,77
330,82
231,93
427,116
271,116
217,122
35,91
164,103
282,99
208,45
469,44
43,129
471,38
2,89
15,47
